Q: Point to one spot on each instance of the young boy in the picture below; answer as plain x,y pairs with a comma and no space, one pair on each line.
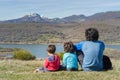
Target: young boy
52,62
70,61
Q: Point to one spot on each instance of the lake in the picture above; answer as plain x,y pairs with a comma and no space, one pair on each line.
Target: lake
39,50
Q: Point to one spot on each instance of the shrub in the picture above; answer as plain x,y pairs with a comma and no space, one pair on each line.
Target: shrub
60,54
23,55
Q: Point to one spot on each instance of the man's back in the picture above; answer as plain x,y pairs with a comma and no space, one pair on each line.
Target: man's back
93,55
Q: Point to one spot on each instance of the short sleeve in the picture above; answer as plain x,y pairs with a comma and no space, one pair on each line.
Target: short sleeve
79,46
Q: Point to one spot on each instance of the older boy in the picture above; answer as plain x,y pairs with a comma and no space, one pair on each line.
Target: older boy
92,50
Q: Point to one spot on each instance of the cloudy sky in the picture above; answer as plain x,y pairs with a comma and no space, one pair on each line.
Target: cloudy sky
11,9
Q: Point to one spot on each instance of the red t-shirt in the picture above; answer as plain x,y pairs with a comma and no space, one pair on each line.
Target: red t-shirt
52,63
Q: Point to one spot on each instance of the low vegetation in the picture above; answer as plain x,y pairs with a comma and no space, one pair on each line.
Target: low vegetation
23,70
60,54
16,53
23,55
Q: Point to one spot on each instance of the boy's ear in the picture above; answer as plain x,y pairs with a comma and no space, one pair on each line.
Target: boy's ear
48,53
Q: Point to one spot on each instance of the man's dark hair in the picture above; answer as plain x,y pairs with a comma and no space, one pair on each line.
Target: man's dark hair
91,34
69,47
51,49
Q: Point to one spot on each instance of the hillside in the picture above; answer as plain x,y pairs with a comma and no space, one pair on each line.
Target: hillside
42,33
28,30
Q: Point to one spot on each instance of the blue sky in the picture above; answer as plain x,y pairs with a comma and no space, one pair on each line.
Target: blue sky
11,9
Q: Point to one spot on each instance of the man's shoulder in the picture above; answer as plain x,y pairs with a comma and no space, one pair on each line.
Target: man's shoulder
101,42
80,43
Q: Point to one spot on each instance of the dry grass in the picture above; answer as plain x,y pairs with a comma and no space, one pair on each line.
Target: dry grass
23,70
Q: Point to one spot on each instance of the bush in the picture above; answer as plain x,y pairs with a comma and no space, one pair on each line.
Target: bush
23,55
60,54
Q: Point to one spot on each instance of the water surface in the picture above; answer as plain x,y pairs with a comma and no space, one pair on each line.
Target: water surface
39,50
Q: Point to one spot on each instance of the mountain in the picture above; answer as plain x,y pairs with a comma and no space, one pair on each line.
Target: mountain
27,18
105,16
37,18
74,18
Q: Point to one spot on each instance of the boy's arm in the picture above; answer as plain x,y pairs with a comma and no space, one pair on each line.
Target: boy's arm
103,46
58,60
46,63
64,61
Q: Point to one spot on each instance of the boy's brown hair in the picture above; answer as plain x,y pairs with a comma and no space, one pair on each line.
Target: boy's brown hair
51,49
69,47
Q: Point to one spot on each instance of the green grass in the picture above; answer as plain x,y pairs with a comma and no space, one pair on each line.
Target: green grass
23,70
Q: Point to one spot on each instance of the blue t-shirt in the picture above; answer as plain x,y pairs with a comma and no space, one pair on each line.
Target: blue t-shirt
70,60
93,55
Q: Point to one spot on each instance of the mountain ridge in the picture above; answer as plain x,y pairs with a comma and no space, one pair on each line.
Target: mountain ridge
73,18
